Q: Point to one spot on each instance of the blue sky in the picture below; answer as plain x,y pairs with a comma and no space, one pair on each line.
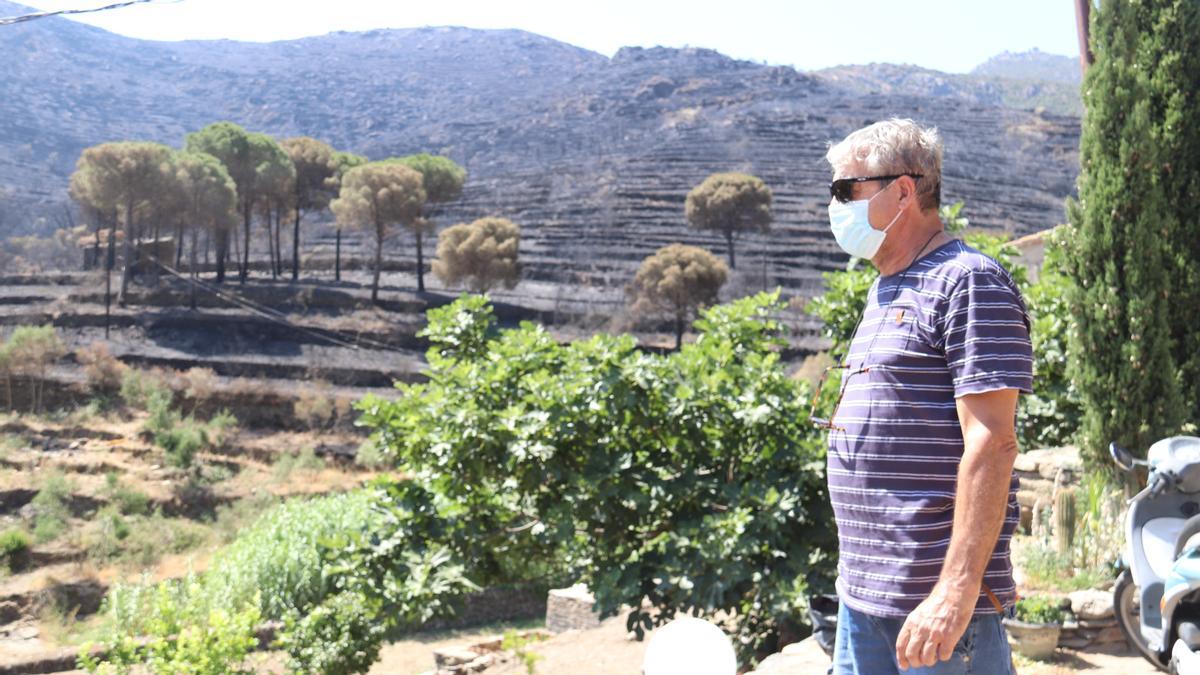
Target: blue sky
949,35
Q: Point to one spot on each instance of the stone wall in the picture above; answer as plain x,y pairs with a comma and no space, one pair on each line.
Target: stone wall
1039,471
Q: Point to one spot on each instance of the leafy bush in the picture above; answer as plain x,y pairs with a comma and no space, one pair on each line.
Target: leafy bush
1052,414
275,569
340,636
306,461
14,545
181,438
29,352
140,387
104,373
50,505
691,479
184,633
129,502
1039,609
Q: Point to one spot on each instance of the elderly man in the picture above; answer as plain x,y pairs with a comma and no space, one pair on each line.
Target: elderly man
922,439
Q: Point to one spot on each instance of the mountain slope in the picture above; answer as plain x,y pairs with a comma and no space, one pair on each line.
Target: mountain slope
592,156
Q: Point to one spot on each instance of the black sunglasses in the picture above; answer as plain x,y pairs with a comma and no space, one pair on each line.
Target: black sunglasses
843,188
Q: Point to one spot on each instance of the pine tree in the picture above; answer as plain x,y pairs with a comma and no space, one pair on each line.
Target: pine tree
1121,240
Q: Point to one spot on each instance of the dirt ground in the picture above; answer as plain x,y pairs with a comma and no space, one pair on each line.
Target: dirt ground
608,651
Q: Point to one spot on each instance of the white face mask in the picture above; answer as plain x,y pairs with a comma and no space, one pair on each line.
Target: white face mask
852,227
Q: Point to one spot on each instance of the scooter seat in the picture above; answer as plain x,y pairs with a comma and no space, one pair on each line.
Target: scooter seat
1186,448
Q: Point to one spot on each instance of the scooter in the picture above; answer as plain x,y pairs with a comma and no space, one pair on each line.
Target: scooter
1157,597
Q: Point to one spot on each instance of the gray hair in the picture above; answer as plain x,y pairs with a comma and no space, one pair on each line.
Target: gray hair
896,146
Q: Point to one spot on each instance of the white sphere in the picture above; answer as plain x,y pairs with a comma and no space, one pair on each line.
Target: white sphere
689,646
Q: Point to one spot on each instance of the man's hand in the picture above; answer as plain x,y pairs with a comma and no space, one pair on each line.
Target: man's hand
932,630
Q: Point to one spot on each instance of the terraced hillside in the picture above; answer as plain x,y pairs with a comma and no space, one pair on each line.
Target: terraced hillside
592,156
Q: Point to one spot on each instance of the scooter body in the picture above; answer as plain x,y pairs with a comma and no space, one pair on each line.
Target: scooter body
1158,592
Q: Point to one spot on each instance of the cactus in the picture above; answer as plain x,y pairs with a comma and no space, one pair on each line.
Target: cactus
1064,521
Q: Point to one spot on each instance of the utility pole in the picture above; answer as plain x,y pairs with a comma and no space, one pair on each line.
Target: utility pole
1083,10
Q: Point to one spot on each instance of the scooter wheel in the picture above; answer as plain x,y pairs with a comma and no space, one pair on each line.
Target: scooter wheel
1125,607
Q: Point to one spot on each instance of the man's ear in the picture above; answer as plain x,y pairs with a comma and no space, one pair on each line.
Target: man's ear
908,191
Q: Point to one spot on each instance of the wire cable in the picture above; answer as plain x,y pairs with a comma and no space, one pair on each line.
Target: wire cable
328,334
11,20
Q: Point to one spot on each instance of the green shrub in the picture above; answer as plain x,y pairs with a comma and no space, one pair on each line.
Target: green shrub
184,633
139,388
1050,417
14,546
50,504
691,479
340,636
181,438
1039,609
128,501
305,460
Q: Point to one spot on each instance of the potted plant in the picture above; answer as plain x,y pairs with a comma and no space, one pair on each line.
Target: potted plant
1035,628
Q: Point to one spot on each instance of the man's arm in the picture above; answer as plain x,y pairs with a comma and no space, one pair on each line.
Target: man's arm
990,447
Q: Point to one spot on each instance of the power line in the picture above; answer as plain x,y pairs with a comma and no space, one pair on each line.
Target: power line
10,20
274,315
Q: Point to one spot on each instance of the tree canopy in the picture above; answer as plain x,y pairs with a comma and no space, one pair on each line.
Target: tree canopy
482,254
316,183
375,197
1124,224
730,203
676,281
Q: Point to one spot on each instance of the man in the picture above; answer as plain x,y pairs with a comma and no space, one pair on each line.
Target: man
922,440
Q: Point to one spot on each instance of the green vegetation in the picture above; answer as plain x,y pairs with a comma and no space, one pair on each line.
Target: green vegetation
29,352
443,182
482,254
1055,559
1133,240
127,502
359,204
274,569
515,642
304,461
676,282
14,545
691,479
730,203
183,633
51,509
1039,609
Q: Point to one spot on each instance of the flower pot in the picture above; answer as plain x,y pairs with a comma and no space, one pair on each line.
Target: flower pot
1034,640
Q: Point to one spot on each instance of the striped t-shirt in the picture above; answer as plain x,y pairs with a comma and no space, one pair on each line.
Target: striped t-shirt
954,324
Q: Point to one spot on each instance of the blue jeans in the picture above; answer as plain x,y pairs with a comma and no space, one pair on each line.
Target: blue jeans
866,645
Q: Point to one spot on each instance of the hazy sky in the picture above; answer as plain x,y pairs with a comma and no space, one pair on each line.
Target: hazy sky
949,35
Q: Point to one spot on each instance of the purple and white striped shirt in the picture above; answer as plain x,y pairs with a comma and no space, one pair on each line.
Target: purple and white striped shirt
954,324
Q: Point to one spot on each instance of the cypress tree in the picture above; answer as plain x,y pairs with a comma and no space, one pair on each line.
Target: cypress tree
1122,237
1175,100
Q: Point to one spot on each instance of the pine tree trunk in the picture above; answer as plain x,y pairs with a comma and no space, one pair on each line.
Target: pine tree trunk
378,262
729,245
192,271
420,264
127,252
245,271
337,257
296,247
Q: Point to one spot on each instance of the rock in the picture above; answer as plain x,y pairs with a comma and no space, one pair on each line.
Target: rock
1077,643
1091,605
447,657
9,612
571,608
27,632
1109,635
805,656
